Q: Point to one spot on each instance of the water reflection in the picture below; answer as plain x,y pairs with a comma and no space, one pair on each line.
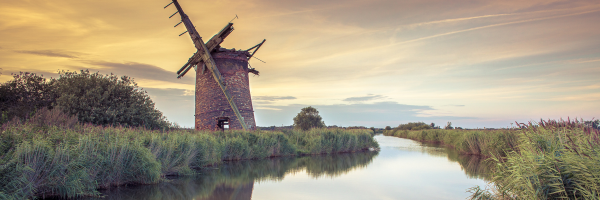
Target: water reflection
235,180
403,169
474,166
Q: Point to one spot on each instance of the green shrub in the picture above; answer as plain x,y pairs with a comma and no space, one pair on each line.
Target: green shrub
92,97
23,95
415,126
307,119
106,100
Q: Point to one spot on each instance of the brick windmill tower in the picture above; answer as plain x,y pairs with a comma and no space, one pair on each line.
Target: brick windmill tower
222,84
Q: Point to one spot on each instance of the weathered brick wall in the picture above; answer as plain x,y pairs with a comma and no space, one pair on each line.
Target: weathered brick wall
210,100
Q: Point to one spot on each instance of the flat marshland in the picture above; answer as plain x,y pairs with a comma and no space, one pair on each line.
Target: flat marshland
56,156
545,160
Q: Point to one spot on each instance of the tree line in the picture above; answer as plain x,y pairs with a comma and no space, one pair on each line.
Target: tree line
106,100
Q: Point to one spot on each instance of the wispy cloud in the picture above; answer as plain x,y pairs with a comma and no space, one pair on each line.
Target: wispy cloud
587,61
272,98
458,19
495,15
52,53
494,25
262,101
369,97
188,93
265,108
139,70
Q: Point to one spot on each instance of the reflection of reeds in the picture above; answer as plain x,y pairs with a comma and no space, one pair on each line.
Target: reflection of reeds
71,160
474,166
234,179
487,143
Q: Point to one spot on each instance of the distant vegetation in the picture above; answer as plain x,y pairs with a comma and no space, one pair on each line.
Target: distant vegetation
94,98
415,126
474,142
545,160
308,118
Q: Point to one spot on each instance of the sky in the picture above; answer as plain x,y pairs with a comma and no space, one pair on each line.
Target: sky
377,63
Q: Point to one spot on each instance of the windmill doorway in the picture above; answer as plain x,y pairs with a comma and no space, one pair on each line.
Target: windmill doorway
223,123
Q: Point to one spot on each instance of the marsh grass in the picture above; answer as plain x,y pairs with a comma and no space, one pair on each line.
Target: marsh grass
554,159
41,158
486,143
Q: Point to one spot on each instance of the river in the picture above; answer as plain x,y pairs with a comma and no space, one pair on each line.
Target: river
402,169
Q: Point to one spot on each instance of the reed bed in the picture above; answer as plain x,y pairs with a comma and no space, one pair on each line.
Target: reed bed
486,143
39,158
554,159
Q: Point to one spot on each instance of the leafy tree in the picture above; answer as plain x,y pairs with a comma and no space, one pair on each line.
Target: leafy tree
388,128
92,97
25,94
106,100
448,126
308,118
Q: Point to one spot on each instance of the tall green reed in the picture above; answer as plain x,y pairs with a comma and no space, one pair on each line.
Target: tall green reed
556,159
39,159
487,143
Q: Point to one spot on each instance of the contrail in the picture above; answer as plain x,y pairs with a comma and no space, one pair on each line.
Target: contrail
487,16
493,25
569,61
378,47
588,61
459,19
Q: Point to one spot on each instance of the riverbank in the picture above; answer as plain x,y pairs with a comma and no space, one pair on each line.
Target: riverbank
545,160
235,179
486,143
349,176
73,160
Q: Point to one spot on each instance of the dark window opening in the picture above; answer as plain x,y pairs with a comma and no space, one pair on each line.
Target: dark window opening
223,123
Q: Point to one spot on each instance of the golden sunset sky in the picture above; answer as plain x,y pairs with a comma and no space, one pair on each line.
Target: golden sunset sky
369,63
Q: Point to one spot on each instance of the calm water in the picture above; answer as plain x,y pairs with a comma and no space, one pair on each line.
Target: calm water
403,169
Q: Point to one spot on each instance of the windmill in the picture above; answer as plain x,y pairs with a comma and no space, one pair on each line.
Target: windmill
218,96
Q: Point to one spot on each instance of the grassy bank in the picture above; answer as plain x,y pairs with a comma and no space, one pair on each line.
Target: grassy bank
545,160
43,157
553,160
485,143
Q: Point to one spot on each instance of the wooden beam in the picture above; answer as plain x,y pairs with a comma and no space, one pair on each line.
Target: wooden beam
212,44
